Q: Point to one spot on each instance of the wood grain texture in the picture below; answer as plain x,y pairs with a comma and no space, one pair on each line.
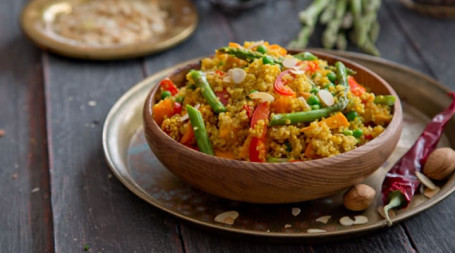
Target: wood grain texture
25,210
89,206
426,36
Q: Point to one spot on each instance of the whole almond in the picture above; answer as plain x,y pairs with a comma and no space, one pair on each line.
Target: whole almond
359,197
440,163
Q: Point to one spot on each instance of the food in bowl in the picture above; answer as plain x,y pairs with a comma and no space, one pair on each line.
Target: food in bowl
258,103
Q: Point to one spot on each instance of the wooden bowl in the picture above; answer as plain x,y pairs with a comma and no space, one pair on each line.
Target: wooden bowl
275,182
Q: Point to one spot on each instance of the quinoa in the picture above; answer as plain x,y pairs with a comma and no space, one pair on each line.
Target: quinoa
234,130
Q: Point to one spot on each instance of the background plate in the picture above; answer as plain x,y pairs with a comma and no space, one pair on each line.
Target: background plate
135,166
181,23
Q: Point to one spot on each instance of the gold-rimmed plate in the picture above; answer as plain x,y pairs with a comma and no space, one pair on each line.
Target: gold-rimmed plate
131,160
39,22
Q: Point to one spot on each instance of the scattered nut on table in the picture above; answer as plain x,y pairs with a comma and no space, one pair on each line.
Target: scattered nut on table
359,197
227,217
425,180
360,219
295,211
346,221
315,230
440,164
429,193
324,219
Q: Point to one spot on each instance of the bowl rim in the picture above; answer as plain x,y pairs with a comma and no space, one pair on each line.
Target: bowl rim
395,122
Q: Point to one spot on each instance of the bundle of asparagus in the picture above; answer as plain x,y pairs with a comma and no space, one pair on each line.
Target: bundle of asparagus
357,18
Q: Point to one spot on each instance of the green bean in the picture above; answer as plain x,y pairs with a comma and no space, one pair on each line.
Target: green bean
385,100
309,116
298,117
241,53
201,82
305,56
200,133
271,159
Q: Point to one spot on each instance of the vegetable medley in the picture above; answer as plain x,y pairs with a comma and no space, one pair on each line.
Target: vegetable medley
258,103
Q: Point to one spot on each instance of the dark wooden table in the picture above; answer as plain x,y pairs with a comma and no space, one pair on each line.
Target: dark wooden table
57,193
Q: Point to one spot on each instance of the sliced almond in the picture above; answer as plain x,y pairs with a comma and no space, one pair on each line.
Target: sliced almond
346,221
429,193
425,180
360,219
290,62
295,211
237,75
263,96
391,212
227,79
227,217
287,226
297,71
324,219
326,97
315,230
304,102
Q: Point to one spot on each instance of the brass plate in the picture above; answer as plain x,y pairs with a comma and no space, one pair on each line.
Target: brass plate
181,23
138,169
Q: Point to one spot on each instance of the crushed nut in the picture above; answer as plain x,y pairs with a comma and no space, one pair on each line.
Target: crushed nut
287,226
360,219
425,180
315,230
227,217
36,189
429,193
295,211
324,219
346,221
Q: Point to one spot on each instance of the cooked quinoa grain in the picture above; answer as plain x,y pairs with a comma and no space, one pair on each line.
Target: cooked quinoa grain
241,126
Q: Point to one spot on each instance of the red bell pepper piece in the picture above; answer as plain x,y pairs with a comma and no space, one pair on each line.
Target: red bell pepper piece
167,84
177,108
312,66
248,111
279,85
223,96
356,88
401,182
257,144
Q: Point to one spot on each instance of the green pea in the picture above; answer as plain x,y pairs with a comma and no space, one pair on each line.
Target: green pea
314,90
352,115
313,100
347,132
165,94
179,99
315,107
288,147
327,86
332,77
357,133
261,49
268,60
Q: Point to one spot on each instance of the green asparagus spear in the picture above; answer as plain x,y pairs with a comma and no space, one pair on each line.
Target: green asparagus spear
309,116
200,133
327,14
241,53
305,56
201,82
385,100
342,42
329,36
310,15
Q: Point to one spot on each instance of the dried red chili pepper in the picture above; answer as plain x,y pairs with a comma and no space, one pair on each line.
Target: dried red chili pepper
401,182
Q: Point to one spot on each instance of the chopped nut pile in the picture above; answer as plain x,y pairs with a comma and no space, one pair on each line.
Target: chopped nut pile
110,22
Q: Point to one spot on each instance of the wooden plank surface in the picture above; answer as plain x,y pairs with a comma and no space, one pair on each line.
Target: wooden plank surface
90,206
25,211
